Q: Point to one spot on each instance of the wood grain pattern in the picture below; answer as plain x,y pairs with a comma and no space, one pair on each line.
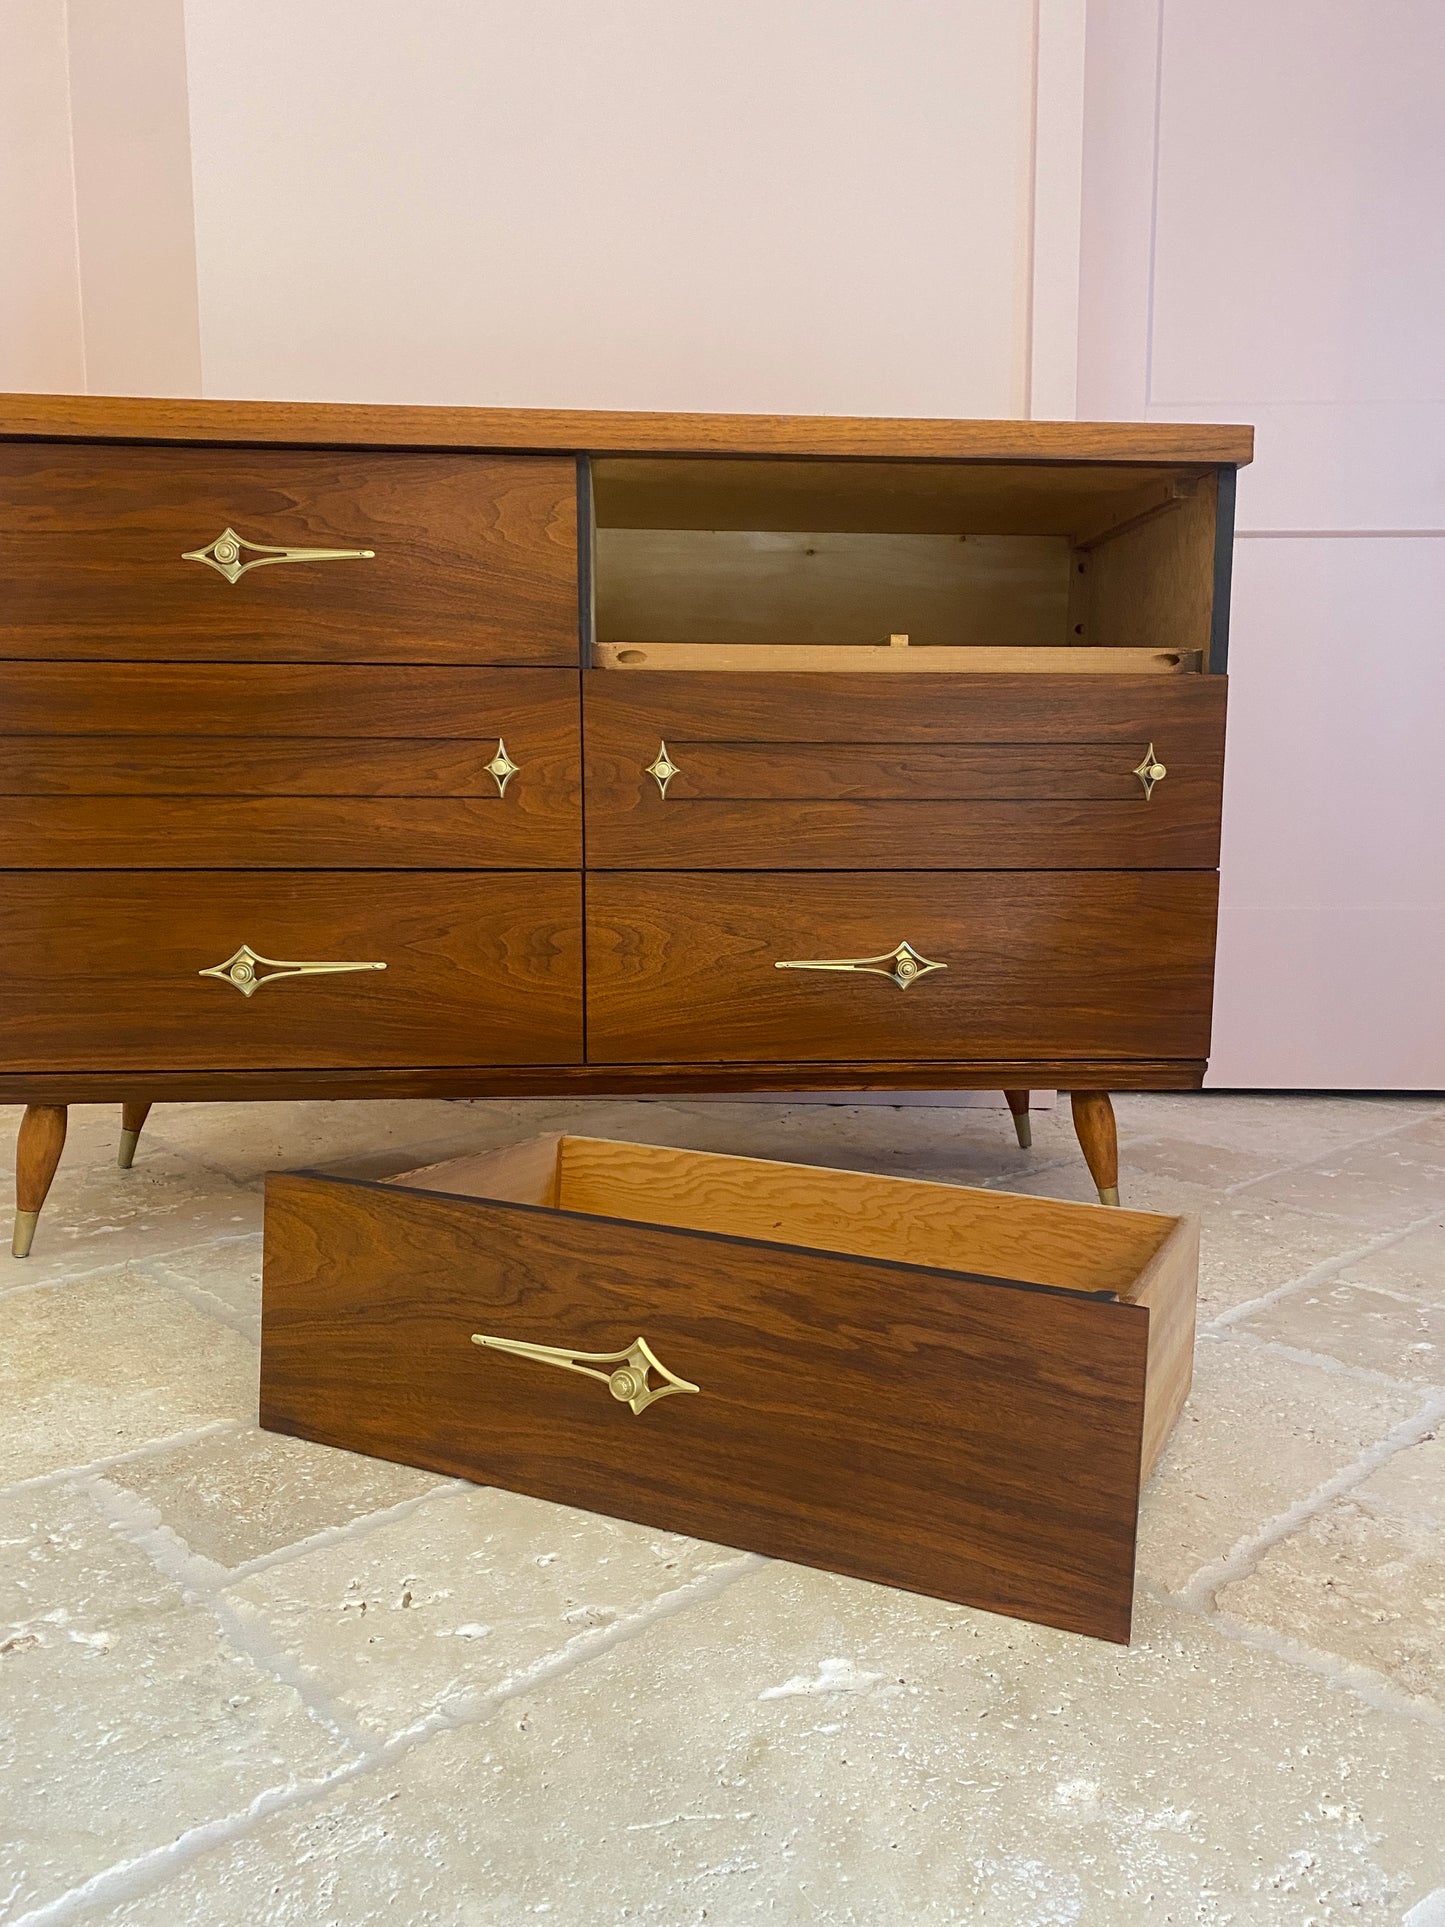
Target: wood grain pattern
1155,579
38,1146
363,425
1098,1140
247,798
287,833
371,703
475,556
1168,1288
763,587
91,1086
1047,964
855,1213
801,772
873,709
918,1428
99,971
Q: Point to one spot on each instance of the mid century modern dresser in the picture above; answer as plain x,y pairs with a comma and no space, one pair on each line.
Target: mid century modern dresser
361,751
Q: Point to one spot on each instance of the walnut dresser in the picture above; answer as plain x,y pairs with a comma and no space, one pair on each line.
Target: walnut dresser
361,751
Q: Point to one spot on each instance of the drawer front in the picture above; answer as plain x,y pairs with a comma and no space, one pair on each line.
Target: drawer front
467,558
685,968
289,766
944,772
106,970
918,1428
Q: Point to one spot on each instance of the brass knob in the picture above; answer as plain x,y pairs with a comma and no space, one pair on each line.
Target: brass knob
1150,772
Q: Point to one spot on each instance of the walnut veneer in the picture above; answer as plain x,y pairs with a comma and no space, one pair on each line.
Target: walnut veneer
337,763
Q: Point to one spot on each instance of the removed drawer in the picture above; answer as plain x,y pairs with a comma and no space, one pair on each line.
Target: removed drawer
953,1391
289,555
738,772
189,970
982,965
287,766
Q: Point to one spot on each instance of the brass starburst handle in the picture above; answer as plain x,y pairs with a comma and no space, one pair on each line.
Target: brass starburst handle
224,555
243,969
662,769
502,769
1150,772
903,966
627,1381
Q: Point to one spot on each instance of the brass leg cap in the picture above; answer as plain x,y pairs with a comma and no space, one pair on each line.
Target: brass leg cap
1108,1194
125,1156
1024,1127
25,1223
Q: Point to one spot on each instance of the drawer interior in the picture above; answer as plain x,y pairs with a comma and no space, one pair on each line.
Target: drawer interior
1012,1238
731,563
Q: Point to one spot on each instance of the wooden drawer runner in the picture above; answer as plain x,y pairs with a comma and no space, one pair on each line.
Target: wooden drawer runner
103,970
1053,964
949,1390
471,558
947,772
289,766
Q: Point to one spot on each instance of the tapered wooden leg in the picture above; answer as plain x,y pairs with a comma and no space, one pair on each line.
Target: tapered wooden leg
1018,1103
37,1153
1098,1140
132,1123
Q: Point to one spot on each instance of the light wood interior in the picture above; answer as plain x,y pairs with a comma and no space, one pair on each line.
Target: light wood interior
722,553
891,660
1079,1247
1073,500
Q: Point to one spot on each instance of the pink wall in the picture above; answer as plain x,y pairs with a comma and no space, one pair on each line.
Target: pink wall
732,204
41,344
1262,242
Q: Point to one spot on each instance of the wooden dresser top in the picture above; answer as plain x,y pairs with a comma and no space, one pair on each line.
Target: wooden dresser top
600,431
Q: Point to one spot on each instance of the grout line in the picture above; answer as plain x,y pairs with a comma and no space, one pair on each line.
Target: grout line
1376,1689
128,1879
71,1474
1198,1593
210,1305
122,1264
1325,1361
1319,1274
1337,1151
359,1528
141,1523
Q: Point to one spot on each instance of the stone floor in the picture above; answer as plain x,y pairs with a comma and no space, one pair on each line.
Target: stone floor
246,1680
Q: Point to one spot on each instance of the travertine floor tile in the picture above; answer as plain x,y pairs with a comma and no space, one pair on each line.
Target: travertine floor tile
807,1749
439,1608
1365,1580
1413,1266
109,1364
1211,1166
1378,1186
1428,1133
128,1717
97,1216
239,1496
1245,1252
1358,1326
1138,1190
225,1276
1259,1434
1284,1129
684,1745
